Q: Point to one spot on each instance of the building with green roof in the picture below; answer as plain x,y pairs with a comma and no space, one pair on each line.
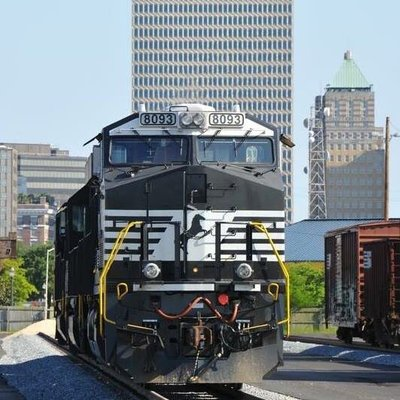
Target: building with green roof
349,77
346,149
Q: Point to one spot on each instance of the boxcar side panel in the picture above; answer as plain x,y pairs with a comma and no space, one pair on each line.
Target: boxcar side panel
396,278
377,279
350,278
341,268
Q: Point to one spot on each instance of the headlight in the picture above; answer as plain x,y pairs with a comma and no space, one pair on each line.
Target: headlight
151,271
186,119
198,119
244,271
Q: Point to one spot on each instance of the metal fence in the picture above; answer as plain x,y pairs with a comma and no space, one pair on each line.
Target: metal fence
15,318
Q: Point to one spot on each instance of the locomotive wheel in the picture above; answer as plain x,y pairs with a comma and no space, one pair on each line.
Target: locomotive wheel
72,348
348,339
60,339
345,335
83,343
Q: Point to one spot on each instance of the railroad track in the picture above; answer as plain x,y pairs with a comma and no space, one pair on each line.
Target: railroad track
126,389
339,343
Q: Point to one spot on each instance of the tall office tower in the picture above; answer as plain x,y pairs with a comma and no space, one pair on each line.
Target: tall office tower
220,53
346,149
43,169
8,191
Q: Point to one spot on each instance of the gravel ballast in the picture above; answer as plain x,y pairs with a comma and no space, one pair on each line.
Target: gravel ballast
41,371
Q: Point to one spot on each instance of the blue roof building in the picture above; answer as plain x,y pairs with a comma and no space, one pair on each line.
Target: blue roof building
305,239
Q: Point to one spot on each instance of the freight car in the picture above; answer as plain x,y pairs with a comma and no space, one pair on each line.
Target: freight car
362,281
169,260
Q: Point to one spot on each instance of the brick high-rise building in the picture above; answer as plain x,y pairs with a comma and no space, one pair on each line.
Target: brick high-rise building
353,152
36,222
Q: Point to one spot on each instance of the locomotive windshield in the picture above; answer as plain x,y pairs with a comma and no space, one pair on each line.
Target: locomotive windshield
235,150
149,150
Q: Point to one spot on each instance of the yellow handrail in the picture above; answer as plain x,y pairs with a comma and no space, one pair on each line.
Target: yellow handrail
261,228
103,281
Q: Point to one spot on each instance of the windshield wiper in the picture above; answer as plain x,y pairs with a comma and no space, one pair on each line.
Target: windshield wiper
265,172
241,141
176,140
212,138
246,168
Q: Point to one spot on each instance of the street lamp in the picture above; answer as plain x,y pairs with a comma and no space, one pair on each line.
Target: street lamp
12,275
46,293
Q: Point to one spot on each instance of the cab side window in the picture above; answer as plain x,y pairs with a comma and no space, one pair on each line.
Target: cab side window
78,219
79,224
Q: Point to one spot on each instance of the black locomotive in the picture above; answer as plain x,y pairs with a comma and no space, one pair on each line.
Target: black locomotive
168,261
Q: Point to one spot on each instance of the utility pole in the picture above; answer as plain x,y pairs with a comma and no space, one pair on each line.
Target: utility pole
386,172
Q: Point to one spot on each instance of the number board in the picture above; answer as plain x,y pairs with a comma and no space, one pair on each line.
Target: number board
225,119
158,119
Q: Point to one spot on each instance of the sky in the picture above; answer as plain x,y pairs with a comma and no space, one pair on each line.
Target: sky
65,70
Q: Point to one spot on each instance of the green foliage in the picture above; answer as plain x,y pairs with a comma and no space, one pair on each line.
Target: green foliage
306,330
307,284
34,259
22,289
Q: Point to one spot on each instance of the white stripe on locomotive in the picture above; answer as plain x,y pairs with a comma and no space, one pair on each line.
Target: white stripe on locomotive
203,244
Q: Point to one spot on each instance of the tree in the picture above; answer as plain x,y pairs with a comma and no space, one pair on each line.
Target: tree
35,198
23,198
307,284
34,259
22,289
